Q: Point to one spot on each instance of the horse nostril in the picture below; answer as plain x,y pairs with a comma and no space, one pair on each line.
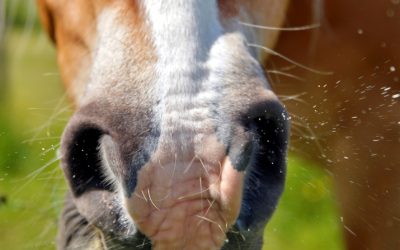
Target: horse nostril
93,194
263,132
267,122
80,157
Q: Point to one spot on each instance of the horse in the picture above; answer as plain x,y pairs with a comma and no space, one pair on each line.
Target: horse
153,83
177,140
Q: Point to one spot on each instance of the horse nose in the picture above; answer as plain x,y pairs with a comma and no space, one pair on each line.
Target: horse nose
250,132
249,129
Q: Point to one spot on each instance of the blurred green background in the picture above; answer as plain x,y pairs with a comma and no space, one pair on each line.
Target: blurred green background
33,112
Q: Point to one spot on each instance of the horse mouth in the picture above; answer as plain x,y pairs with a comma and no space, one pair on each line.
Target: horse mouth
192,210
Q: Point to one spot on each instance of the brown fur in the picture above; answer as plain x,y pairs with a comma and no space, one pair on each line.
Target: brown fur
359,43
73,30
270,13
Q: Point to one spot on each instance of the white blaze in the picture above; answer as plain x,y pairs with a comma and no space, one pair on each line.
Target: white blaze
183,32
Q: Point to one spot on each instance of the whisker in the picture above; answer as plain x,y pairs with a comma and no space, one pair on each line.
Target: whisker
29,178
144,243
194,194
38,171
273,52
159,163
189,165
50,178
311,134
238,232
141,197
287,68
56,113
298,28
201,192
165,197
293,98
212,222
173,170
209,207
220,171
277,72
151,200
204,167
103,240
42,139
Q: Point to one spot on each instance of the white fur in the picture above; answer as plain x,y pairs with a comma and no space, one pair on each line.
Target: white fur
195,59
183,32
108,56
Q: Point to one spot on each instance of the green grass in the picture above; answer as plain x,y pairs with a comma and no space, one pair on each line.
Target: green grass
31,120
29,135
307,217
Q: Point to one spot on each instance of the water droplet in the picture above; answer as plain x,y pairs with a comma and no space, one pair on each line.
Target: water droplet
392,69
395,96
360,31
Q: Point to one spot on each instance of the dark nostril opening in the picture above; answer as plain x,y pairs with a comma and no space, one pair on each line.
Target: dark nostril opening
270,135
268,124
81,160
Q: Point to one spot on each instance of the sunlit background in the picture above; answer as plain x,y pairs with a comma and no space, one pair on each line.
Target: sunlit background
33,112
